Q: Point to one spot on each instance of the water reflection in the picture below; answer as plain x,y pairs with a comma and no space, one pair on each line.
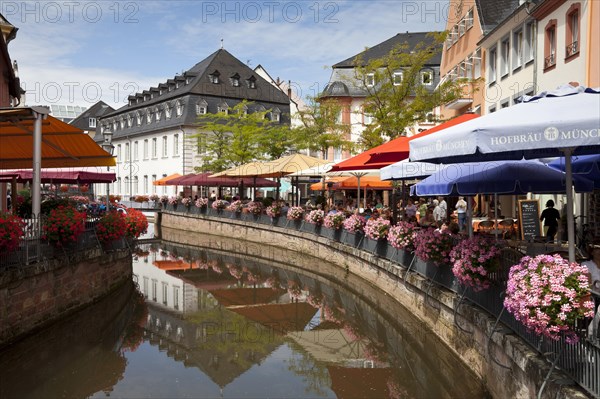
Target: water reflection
207,323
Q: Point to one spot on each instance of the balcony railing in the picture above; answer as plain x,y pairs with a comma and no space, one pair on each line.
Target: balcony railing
572,49
550,61
581,361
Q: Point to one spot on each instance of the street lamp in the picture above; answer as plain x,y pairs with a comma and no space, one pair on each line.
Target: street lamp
108,147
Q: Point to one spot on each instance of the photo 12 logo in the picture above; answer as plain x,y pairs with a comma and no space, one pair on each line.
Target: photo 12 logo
69,11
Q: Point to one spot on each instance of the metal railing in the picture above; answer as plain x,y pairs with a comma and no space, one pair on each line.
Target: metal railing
34,248
580,361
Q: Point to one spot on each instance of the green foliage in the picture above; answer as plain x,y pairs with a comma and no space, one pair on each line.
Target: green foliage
394,104
321,128
231,139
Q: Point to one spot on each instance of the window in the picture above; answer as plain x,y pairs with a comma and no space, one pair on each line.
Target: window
427,78
201,107
157,113
492,109
165,293
119,153
146,149
492,64
138,117
145,286
529,44
224,108
370,79
550,45
251,81
145,184
397,78
477,64
214,77
469,19
164,188
461,28
176,145
276,115
115,126
167,111
153,186
129,120
367,118
337,154
175,297
572,31
504,104
92,122
517,45
127,152
127,185
504,56
148,116
118,185
154,148
178,108
235,80
122,122
164,147
136,185
154,289
135,151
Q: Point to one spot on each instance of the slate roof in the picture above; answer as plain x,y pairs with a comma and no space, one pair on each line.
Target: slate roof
411,39
493,12
95,111
195,85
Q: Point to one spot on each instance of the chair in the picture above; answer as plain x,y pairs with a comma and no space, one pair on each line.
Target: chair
507,226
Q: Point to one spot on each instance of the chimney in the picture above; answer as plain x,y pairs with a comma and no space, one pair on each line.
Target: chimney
289,88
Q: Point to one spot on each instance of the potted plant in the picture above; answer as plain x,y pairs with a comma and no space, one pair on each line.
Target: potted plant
549,295
296,213
377,230
111,227
334,222
137,223
64,225
434,245
473,259
355,225
219,205
11,230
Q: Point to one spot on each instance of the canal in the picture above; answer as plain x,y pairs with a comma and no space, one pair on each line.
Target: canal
202,323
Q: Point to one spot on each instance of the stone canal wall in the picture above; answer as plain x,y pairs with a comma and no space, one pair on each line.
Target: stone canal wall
505,364
34,296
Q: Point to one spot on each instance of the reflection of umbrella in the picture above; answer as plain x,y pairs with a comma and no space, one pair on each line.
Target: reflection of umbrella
282,317
349,382
563,122
174,265
394,150
587,166
498,177
246,296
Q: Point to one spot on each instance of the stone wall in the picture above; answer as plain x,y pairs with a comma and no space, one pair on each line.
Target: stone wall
509,368
34,296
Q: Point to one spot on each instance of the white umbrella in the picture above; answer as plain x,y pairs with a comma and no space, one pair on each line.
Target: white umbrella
562,122
405,170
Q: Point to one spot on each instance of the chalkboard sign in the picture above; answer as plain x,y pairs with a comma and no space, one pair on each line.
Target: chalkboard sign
529,219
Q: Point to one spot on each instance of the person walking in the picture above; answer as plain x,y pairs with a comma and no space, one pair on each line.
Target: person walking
461,212
550,216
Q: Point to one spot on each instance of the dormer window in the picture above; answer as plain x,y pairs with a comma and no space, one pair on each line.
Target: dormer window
129,120
179,108
188,80
214,77
251,81
170,87
370,79
276,115
167,110
426,78
92,122
122,122
201,107
224,108
397,78
138,117
235,80
115,125
148,116
158,114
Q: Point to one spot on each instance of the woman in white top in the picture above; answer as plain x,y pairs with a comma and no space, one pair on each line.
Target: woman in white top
461,210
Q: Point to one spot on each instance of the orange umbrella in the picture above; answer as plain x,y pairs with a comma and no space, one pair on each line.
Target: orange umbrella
366,182
319,185
164,180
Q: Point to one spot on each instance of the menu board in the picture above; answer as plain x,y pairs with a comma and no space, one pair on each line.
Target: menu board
529,219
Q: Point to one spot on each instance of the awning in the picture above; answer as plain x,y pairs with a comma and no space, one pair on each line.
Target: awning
366,182
392,151
62,145
164,180
59,176
204,179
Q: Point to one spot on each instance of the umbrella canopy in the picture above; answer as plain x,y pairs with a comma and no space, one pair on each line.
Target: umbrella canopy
497,177
329,179
366,182
551,124
587,166
164,180
62,145
205,179
405,170
394,150
277,168
315,171
60,177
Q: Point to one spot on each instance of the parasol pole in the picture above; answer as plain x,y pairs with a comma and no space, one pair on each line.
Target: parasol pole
570,218
358,192
496,215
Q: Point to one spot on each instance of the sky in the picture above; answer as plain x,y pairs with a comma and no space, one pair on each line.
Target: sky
80,52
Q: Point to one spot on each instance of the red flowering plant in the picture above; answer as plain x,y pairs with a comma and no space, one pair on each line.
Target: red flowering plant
64,225
11,230
473,259
111,227
137,223
434,245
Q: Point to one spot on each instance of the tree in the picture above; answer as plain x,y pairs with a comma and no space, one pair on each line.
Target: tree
234,137
276,140
396,96
320,127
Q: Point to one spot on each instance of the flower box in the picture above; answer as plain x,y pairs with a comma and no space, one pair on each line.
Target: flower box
354,240
376,247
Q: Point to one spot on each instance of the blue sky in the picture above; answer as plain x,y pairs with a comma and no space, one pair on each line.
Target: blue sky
77,52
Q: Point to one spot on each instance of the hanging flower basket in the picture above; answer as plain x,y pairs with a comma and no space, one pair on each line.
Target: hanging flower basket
401,236
11,230
549,295
64,225
473,260
434,246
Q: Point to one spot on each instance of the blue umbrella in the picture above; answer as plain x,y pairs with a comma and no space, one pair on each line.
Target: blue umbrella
498,177
552,124
587,166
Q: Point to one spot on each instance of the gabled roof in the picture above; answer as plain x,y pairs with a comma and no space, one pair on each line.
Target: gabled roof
411,39
95,111
493,12
226,65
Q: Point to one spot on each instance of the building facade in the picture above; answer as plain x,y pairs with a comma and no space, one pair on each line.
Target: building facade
88,119
350,92
152,134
